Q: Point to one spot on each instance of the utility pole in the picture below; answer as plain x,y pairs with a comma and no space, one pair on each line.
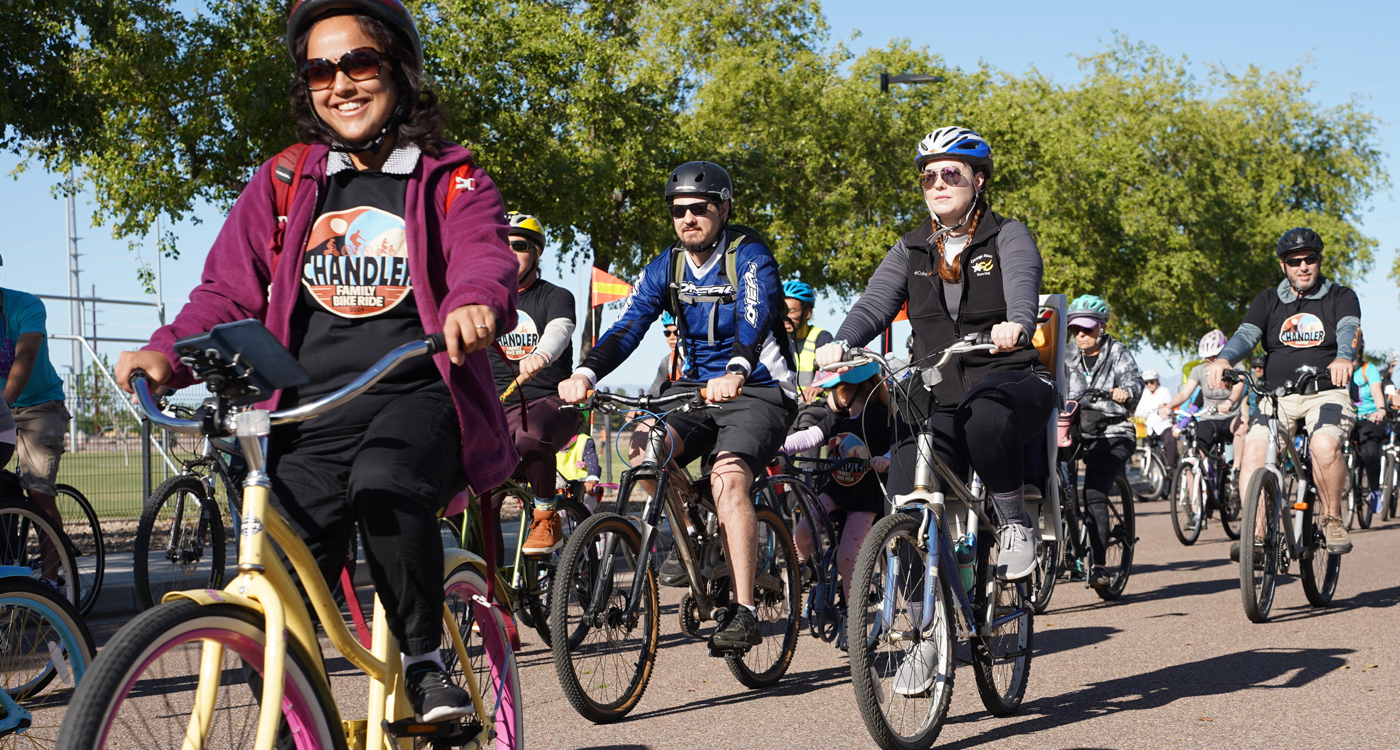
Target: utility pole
75,308
160,286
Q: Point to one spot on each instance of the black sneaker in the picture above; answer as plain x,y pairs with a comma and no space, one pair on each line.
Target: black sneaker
672,572
738,632
1099,577
434,697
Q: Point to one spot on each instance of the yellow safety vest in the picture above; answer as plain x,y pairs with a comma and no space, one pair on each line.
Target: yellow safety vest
570,460
807,357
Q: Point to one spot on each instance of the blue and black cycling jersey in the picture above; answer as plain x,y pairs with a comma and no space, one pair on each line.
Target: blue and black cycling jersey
721,323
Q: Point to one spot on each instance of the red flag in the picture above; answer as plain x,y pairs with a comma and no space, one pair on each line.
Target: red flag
903,313
608,288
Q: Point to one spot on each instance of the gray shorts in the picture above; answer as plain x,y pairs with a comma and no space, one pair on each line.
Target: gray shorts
40,430
752,427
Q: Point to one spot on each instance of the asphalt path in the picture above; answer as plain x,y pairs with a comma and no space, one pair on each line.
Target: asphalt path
1174,663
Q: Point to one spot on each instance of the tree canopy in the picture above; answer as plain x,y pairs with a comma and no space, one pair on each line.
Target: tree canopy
1139,181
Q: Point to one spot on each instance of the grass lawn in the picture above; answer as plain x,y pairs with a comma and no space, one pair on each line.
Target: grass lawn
110,480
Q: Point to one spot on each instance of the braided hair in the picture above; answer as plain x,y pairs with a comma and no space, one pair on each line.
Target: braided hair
952,272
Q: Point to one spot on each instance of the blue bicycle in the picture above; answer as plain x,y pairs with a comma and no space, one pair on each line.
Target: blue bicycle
42,638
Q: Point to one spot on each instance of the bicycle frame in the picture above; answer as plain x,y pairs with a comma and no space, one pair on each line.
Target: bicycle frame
1303,473
513,590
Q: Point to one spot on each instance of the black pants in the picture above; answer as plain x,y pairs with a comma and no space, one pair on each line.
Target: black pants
1104,459
999,427
1168,443
1370,438
392,477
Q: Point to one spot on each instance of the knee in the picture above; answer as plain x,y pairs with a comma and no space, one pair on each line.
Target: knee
1325,450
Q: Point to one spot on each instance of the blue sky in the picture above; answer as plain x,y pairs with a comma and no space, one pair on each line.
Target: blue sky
1348,49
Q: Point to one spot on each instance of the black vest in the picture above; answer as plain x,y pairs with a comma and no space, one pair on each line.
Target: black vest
983,305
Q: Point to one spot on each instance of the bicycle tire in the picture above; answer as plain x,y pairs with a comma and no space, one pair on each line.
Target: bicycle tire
1122,537
578,656
1073,539
778,596
884,707
483,632
1001,662
167,513
1186,498
1361,496
1229,507
158,653
1257,585
540,571
1349,495
37,624
23,529
1154,475
89,549
1047,572
1320,569
1389,470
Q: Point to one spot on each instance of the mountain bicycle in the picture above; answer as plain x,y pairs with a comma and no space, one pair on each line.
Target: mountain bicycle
605,588
34,541
181,538
1356,505
1204,484
80,528
42,639
200,669
1267,556
1152,466
927,578
1390,465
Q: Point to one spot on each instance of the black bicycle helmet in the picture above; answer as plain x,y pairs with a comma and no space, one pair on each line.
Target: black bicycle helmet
1298,238
391,13
699,178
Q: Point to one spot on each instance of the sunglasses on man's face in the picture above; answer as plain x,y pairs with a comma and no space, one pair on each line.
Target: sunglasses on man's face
700,210
360,64
1311,260
670,332
951,176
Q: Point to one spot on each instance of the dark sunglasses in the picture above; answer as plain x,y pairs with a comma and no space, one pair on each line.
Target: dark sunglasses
1076,330
952,177
360,64
522,246
1311,260
679,210
670,332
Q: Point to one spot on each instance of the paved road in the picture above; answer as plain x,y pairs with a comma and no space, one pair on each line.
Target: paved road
1173,664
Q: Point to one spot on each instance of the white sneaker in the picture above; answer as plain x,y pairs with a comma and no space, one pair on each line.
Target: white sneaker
915,675
1016,560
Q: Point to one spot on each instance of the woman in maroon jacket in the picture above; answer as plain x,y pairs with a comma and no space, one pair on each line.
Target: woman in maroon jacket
373,257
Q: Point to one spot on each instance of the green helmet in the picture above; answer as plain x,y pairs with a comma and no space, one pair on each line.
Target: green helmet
1088,306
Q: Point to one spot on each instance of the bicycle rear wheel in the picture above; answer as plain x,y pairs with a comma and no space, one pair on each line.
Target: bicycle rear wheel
1259,562
1188,506
483,631
29,538
605,663
140,691
1229,507
1360,495
42,636
1389,470
778,596
1154,475
901,672
1122,537
178,545
1320,568
80,524
1001,662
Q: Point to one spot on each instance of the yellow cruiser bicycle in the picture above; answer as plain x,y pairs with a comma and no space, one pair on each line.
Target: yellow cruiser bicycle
200,669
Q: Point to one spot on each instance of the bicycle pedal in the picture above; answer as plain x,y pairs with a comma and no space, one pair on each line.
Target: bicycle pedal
443,733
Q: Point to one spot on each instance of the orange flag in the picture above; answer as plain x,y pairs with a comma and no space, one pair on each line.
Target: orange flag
608,288
903,313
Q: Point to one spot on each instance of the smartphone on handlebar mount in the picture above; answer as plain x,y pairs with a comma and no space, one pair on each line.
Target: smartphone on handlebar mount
241,361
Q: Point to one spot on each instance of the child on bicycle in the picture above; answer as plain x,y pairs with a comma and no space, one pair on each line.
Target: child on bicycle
855,426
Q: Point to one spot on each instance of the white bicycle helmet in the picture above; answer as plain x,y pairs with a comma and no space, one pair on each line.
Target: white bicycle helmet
1211,344
957,143
1149,375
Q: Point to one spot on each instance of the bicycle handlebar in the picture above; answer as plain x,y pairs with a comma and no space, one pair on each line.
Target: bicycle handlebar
971,343
600,400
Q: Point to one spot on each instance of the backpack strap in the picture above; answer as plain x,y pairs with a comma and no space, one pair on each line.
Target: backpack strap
463,180
286,178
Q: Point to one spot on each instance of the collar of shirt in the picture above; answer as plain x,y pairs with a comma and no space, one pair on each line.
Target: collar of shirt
400,162
1286,294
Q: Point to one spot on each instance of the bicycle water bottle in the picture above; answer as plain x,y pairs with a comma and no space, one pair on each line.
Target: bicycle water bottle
966,556
1186,416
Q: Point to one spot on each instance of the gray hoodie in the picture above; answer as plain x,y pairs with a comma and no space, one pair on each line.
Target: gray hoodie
1115,368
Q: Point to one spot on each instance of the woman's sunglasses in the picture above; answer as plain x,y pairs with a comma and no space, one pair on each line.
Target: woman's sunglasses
1311,260
361,64
679,210
952,177
670,332
522,246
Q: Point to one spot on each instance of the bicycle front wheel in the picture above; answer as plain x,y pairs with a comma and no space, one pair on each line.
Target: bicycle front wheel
80,524
1187,507
41,636
1320,568
606,661
30,539
1230,505
778,596
902,670
483,631
1259,560
141,691
179,546
1122,537
1361,495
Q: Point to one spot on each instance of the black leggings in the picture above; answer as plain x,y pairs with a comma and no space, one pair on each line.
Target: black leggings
999,427
1370,437
392,476
1104,459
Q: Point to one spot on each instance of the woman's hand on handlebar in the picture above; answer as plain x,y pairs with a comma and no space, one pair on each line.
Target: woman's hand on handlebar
881,464
574,390
830,353
468,329
1119,395
1007,336
155,364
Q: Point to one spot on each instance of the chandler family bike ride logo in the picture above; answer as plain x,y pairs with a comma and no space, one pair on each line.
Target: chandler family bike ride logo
1302,331
849,446
356,262
520,343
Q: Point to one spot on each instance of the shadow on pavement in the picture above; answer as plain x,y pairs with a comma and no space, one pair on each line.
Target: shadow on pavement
1054,640
1179,566
792,684
1367,599
1221,675
1173,591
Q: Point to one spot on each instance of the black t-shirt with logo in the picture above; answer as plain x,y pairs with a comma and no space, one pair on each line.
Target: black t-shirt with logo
1301,332
863,436
539,304
356,302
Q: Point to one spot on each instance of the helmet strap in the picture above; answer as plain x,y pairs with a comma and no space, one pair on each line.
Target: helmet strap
944,230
